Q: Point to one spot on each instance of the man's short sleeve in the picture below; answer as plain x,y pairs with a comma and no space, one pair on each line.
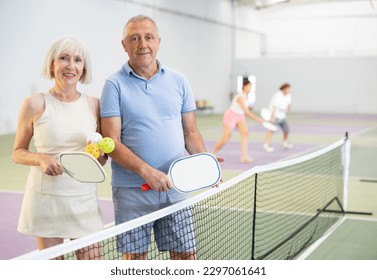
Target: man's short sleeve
109,101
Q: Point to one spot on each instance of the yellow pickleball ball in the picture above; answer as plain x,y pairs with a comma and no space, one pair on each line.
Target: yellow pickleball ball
93,149
107,145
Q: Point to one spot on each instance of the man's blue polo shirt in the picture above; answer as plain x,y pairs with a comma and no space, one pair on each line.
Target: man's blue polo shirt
151,115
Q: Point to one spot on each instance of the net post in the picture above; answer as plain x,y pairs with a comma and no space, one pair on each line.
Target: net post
346,165
347,158
254,217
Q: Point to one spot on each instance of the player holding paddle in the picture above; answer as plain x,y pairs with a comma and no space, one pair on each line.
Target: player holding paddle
234,117
56,206
192,173
149,111
278,107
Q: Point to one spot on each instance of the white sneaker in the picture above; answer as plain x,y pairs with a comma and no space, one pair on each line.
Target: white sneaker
267,148
287,145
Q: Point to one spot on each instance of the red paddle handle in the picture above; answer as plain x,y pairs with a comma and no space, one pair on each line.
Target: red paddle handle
145,187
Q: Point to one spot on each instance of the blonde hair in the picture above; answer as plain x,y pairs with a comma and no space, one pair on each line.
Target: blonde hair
64,44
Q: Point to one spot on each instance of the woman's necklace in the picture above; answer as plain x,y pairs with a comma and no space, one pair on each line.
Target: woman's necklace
65,98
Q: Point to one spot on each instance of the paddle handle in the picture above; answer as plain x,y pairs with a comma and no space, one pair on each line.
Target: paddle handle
145,187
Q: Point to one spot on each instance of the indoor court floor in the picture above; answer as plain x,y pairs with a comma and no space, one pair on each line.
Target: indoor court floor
354,239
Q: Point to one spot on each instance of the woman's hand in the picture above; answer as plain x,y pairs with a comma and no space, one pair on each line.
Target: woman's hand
50,165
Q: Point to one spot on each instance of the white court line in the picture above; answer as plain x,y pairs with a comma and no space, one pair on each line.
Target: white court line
11,191
363,131
362,219
319,241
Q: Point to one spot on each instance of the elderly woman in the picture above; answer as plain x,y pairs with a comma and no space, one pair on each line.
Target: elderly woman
55,206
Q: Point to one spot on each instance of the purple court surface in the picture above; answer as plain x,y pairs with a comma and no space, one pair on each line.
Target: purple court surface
14,243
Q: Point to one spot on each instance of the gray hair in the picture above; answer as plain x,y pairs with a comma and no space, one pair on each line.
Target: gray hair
63,44
137,19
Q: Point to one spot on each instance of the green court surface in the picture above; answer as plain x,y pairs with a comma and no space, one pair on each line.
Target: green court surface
354,239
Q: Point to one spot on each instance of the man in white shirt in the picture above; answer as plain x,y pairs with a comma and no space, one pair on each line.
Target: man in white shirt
279,105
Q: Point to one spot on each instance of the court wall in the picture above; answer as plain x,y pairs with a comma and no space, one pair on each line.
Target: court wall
321,84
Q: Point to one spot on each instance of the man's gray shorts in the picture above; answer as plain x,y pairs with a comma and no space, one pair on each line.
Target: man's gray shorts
174,232
283,124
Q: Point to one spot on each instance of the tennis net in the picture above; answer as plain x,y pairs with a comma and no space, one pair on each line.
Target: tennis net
273,211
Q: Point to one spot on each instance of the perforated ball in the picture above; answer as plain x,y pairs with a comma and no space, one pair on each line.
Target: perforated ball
107,145
93,149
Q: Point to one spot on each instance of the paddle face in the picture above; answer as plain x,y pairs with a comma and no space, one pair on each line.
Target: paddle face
269,126
83,167
193,173
265,114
